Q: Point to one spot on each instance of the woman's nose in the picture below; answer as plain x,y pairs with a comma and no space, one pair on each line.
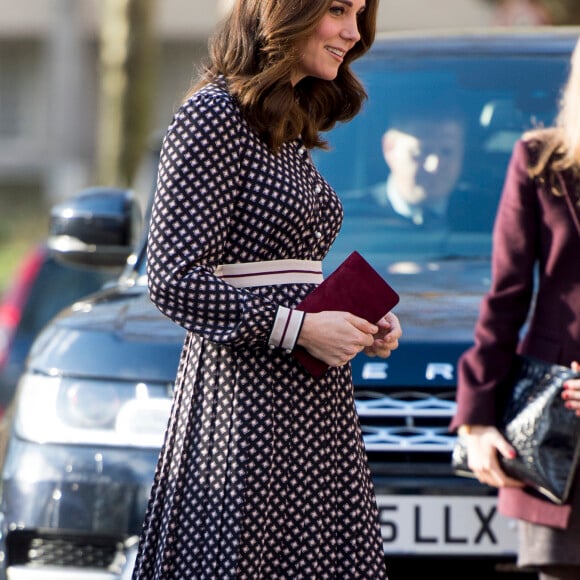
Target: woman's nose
351,31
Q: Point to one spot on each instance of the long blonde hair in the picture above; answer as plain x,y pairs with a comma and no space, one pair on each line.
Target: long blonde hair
569,117
256,51
561,143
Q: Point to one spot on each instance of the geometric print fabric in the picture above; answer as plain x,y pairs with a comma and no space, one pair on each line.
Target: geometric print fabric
263,472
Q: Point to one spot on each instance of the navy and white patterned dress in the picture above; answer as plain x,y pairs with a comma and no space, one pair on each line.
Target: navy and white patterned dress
263,472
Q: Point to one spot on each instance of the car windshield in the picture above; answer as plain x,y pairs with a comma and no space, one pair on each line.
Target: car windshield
446,125
441,130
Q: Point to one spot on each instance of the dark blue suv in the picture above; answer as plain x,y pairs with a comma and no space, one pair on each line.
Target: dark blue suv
91,408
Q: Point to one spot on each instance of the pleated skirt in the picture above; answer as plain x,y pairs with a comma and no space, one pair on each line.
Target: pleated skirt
263,474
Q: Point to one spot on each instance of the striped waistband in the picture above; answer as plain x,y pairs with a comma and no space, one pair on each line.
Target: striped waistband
271,273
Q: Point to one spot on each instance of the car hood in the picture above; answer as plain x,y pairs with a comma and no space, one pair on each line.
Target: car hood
438,309
439,297
120,333
117,333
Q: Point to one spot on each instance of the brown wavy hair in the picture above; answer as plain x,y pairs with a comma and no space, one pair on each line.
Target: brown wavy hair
255,49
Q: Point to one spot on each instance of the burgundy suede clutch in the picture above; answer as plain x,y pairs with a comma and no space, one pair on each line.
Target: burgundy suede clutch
355,287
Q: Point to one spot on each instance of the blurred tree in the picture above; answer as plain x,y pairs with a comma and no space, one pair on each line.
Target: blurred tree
141,71
128,65
559,12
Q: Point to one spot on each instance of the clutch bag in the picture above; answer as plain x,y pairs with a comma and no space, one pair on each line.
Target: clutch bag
355,287
544,433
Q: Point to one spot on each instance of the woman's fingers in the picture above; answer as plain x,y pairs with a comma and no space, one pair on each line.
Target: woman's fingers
571,391
337,337
483,445
387,338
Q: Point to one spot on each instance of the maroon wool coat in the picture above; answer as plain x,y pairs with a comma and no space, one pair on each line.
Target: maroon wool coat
533,228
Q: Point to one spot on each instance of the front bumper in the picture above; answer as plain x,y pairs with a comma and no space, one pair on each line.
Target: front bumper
69,511
31,573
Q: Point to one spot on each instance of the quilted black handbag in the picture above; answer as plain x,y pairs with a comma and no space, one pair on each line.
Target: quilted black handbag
545,435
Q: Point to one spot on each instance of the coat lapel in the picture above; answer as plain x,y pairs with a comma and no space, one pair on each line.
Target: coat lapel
568,183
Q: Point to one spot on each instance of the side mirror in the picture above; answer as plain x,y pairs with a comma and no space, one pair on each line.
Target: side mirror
97,227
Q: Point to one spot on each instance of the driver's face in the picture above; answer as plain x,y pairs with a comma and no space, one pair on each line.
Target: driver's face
425,164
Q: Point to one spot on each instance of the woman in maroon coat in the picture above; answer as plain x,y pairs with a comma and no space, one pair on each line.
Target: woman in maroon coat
536,238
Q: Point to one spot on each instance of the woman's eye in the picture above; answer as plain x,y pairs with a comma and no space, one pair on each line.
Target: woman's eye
337,10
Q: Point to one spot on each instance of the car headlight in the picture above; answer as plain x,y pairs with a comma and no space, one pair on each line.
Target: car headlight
53,409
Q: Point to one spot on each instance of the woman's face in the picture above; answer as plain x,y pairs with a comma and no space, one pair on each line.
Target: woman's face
324,51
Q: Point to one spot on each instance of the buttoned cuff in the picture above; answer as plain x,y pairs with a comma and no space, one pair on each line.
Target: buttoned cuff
286,328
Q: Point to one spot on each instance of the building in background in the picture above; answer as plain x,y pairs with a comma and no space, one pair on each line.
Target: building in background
49,77
49,85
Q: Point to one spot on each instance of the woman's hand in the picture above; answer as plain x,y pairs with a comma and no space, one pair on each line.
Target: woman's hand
387,338
571,392
336,337
483,444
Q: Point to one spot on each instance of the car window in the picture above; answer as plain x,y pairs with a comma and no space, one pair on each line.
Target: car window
64,285
473,108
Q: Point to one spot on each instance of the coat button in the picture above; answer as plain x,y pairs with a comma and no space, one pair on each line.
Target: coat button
318,188
317,235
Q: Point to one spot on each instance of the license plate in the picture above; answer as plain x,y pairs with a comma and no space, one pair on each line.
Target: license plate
417,524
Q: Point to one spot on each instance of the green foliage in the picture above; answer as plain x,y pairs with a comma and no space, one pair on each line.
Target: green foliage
23,223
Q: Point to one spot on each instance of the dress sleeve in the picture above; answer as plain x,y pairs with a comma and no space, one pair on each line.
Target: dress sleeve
196,190
504,309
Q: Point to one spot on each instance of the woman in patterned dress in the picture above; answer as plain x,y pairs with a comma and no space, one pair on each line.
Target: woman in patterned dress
263,472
